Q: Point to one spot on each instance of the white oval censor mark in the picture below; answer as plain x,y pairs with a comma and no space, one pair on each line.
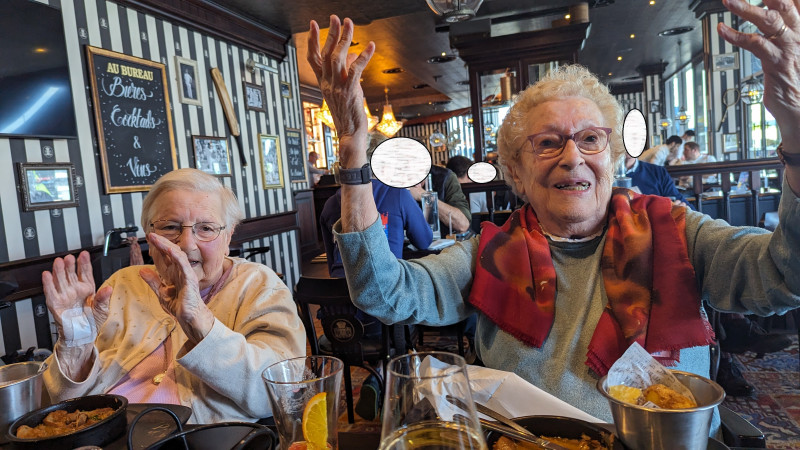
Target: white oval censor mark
634,133
401,162
482,172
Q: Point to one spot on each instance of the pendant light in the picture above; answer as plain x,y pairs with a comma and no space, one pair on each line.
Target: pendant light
437,139
371,120
752,91
388,125
324,115
455,10
683,117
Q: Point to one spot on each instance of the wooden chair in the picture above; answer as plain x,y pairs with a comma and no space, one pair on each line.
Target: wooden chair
343,331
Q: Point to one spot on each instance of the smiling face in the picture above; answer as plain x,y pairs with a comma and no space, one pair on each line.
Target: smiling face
569,192
190,207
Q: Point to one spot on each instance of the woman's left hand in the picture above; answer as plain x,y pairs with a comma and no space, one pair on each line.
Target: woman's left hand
778,48
176,285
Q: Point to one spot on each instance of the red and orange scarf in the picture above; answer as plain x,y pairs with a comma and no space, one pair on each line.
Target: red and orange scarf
515,281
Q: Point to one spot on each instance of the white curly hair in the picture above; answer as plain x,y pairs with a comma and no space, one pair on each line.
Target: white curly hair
567,81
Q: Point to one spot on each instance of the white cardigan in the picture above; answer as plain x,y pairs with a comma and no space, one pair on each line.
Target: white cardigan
220,378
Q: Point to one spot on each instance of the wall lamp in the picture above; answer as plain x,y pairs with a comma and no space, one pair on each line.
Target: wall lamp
251,65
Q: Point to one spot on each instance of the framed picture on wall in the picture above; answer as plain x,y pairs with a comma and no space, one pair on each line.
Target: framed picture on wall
286,89
255,97
187,81
655,140
725,61
47,186
655,106
211,155
271,165
730,143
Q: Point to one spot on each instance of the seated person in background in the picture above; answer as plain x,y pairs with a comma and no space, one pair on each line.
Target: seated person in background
548,309
196,329
653,180
399,214
692,155
460,165
661,154
313,170
452,203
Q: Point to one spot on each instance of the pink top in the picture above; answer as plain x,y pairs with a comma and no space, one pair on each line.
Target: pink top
138,385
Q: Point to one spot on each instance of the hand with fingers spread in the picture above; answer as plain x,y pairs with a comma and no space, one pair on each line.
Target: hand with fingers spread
78,311
339,75
175,283
778,47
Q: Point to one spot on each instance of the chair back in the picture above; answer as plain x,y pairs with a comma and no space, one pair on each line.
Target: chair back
340,321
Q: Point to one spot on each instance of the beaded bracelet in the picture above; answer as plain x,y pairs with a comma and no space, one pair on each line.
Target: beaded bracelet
787,159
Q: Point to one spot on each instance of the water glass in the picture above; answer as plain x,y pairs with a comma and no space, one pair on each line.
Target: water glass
430,209
417,413
291,384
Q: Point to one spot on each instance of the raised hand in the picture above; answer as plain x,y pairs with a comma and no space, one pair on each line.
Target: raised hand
339,74
778,48
177,287
71,285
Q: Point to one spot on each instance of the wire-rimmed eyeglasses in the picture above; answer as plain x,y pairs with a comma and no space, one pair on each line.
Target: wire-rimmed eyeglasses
589,141
203,231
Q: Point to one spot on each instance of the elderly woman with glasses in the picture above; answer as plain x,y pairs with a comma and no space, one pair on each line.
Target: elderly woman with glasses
196,329
582,271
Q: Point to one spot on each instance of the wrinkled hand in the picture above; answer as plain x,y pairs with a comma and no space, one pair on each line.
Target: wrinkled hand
177,287
135,251
778,48
339,75
71,285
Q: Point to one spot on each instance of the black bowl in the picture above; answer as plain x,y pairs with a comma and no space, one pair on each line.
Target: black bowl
98,434
563,427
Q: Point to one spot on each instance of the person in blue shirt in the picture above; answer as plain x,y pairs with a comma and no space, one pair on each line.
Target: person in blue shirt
653,180
399,212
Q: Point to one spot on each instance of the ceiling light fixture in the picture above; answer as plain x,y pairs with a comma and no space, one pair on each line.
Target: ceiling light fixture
683,117
324,115
371,120
633,35
752,91
388,125
393,70
665,123
455,10
675,31
441,59
437,139
619,58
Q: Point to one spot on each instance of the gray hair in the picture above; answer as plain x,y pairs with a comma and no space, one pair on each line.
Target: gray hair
566,81
193,180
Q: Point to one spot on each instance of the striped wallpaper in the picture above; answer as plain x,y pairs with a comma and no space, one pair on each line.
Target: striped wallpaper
105,24
719,82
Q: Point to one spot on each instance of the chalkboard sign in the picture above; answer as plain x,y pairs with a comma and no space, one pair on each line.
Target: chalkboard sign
134,121
295,156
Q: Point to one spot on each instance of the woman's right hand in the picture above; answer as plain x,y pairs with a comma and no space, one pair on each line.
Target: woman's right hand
71,285
339,77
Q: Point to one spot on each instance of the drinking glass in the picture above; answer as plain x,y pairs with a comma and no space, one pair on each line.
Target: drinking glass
417,413
291,384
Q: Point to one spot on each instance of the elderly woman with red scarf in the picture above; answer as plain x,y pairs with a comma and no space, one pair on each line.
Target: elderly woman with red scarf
582,270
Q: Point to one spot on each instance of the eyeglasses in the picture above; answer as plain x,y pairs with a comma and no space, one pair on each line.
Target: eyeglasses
589,141
203,231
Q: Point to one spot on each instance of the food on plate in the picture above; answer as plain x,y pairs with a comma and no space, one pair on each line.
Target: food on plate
658,394
60,422
584,443
667,398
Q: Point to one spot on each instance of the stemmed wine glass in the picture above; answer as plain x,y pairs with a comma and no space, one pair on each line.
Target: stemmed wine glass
417,413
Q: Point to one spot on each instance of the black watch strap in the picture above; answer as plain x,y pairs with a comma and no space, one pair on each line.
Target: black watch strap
362,175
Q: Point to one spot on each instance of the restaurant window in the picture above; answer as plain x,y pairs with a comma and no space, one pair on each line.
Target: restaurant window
761,134
685,93
319,137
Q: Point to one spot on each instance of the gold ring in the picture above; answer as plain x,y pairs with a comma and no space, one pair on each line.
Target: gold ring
778,33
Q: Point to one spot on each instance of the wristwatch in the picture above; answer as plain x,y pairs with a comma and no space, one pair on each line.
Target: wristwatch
362,175
787,159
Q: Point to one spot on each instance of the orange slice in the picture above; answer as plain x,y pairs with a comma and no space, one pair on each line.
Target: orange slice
315,422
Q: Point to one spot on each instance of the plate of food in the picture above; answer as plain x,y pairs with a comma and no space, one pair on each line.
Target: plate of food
91,420
565,431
